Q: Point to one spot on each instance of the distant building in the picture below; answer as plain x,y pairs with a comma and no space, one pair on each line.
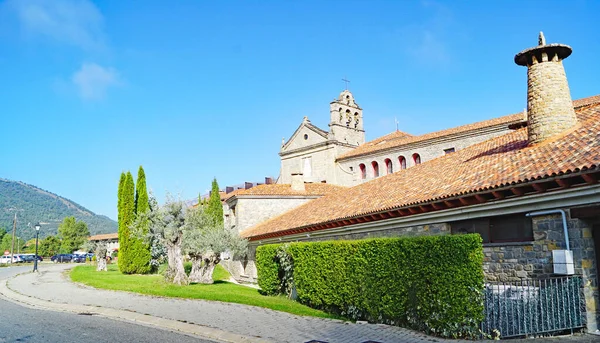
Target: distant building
110,239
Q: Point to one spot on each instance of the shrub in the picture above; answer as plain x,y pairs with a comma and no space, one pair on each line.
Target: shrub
430,283
187,266
268,269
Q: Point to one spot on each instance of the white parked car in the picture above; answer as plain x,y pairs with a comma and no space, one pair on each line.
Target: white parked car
6,259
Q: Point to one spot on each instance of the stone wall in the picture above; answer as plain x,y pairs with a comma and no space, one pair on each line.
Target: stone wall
533,260
251,211
507,261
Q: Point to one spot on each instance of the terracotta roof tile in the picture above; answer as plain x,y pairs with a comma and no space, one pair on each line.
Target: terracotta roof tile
497,162
311,189
104,236
398,138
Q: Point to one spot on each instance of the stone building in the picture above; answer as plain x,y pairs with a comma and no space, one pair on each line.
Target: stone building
340,156
110,239
244,208
530,189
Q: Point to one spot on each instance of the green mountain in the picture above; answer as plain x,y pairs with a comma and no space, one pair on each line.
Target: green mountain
33,205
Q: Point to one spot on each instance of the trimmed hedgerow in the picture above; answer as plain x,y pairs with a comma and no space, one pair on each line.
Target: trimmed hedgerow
433,283
268,269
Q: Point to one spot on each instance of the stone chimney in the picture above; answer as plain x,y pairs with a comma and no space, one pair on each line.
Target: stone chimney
549,105
298,182
268,180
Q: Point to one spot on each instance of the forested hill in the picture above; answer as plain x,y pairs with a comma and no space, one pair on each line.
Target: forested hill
34,205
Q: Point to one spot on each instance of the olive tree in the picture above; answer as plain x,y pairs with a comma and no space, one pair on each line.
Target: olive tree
204,240
165,229
100,250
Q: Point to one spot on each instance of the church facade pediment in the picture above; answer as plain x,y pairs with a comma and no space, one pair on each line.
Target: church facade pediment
306,135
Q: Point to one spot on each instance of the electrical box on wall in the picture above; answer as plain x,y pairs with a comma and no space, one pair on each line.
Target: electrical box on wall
563,262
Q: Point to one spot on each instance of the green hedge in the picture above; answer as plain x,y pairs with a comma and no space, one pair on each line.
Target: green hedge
268,269
430,283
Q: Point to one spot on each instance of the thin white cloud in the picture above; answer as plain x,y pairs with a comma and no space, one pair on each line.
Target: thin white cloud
92,81
426,39
75,22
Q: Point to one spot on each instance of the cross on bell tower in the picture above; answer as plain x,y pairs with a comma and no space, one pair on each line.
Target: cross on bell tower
346,82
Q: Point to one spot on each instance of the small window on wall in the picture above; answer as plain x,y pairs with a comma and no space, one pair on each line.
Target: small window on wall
417,159
449,150
388,166
499,229
363,171
402,161
375,168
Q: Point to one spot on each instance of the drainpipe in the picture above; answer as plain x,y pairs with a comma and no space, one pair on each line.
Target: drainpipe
564,220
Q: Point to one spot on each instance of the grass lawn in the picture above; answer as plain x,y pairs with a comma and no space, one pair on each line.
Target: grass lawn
220,291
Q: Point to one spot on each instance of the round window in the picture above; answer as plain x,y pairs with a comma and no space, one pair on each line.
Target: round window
305,136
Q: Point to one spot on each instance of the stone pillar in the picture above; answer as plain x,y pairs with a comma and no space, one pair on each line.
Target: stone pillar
549,105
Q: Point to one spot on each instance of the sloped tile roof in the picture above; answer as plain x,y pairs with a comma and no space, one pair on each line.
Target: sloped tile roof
398,138
103,237
498,162
311,189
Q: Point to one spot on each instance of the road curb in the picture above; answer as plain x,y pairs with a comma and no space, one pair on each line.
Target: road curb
129,316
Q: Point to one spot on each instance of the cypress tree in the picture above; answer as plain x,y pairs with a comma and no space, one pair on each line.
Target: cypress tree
139,252
122,236
128,216
215,208
141,193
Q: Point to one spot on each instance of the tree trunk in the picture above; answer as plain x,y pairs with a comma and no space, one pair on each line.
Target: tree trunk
175,273
203,267
101,258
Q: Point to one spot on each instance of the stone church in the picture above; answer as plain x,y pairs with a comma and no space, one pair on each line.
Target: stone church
528,183
340,156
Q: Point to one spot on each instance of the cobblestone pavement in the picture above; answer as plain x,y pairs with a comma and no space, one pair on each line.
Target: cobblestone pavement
52,285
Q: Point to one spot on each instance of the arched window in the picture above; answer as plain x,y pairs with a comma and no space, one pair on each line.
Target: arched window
402,161
363,171
388,166
417,159
375,168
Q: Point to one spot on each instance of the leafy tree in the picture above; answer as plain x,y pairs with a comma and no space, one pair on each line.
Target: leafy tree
144,228
30,246
72,234
215,208
6,243
166,225
49,246
204,240
2,233
126,254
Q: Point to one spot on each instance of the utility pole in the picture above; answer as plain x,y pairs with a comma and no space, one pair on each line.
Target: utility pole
12,249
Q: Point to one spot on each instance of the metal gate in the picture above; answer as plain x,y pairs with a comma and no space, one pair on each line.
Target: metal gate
533,306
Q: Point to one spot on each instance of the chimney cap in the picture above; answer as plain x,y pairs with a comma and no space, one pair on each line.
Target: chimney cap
563,51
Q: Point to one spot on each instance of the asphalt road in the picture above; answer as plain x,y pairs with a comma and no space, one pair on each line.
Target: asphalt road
22,324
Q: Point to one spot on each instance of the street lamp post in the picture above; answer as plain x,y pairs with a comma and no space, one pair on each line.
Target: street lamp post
37,233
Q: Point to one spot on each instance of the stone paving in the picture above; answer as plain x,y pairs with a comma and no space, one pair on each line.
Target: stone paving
52,285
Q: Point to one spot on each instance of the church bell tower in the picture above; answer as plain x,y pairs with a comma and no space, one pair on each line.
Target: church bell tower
346,122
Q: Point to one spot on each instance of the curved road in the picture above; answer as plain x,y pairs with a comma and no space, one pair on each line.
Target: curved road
23,324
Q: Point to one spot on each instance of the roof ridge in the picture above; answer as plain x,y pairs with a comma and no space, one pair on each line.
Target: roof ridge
461,129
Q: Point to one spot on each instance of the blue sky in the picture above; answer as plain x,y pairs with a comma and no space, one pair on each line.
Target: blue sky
197,89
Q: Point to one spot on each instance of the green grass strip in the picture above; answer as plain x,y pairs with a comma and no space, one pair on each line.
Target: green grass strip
221,290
